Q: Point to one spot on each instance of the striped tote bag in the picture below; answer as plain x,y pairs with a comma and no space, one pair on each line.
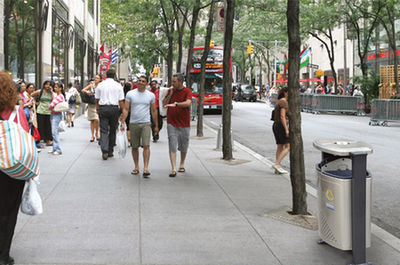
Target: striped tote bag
18,153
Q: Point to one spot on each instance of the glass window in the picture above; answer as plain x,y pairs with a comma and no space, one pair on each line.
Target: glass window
78,56
90,5
90,58
58,49
20,41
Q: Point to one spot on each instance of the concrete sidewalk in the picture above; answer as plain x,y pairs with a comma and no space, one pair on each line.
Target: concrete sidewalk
96,212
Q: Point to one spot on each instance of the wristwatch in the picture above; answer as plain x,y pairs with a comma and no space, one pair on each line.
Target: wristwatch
176,104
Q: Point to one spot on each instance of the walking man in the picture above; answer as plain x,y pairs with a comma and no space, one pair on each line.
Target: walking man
109,95
155,91
178,101
141,102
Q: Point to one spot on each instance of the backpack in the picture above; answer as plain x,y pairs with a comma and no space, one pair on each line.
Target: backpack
18,153
72,99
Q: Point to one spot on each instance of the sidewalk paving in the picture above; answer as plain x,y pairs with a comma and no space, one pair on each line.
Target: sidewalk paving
96,212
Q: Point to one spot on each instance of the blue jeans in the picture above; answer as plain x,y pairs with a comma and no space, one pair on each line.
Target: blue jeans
55,120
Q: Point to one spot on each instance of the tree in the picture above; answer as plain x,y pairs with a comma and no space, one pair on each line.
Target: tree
385,11
319,21
297,172
227,82
200,109
363,29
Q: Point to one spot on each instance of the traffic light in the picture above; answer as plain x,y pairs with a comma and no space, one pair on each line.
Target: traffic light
155,70
250,49
212,43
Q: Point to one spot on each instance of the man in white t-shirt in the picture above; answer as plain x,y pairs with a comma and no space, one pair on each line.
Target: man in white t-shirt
142,103
109,95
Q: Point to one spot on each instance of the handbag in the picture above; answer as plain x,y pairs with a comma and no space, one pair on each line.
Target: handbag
72,99
31,203
78,99
34,132
90,99
62,106
18,152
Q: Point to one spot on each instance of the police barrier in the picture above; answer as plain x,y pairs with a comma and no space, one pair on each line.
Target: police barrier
193,109
384,111
306,100
273,99
337,103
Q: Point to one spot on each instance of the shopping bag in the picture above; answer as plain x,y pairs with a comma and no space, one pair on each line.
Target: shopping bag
34,132
78,99
62,127
31,203
62,106
18,153
122,142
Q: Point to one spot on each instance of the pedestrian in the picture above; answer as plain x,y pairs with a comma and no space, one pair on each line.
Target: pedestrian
281,129
178,101
56,118
154,89
142,103
127,88
43,113
349,88
109,95
92,115
10,189
70,95
358,92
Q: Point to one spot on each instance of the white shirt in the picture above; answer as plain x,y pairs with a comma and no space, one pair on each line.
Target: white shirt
109,92
70,92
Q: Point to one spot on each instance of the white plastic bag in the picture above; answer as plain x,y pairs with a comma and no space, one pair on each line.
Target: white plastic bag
122,142
62,127
31,202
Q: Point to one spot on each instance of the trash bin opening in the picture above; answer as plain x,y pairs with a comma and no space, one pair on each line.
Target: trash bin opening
331,159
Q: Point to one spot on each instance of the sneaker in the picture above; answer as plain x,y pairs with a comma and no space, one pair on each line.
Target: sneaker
50,151
57,153
38,150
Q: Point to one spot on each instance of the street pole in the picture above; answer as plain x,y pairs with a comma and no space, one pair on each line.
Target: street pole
312,74
276,51
345,55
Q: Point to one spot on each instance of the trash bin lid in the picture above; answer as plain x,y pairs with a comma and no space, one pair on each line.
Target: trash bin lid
341,147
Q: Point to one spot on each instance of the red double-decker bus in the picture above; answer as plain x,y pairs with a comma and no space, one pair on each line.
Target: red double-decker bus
214,75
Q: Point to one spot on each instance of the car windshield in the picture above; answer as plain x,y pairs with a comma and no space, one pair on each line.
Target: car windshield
248,88
213,84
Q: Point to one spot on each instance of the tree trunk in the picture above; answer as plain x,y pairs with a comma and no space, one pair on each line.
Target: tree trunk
297,170
227,82
203,71
195,17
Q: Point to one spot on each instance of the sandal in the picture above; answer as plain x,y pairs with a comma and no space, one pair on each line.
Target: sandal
135,172
181,170
172,174
146,174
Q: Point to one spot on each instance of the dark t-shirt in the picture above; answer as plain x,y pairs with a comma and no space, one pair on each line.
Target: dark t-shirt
282,103
178,116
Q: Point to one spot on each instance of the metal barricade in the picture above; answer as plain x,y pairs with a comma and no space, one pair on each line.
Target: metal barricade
273,99
336,103
193,109
384,111
306,100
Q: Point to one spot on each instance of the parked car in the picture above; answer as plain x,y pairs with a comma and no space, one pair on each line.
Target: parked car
248,92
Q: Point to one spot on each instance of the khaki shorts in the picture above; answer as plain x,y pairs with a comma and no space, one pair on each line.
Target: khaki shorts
140,134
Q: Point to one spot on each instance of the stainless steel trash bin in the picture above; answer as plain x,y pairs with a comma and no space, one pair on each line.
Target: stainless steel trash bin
334,183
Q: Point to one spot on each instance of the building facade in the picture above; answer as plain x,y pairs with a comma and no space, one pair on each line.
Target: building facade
50,39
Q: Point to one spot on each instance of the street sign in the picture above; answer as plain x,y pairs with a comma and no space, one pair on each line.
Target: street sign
313,66
220,19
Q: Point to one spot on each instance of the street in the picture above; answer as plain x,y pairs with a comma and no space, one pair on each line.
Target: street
252,127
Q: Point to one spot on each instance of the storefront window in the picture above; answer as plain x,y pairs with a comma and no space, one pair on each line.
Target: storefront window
90,58
58,49
78,56
20,43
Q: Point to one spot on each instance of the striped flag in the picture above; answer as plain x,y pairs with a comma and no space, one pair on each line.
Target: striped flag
114,56
304,57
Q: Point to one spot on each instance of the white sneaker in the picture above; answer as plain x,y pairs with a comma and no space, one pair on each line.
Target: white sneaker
56,153
38,150
50,152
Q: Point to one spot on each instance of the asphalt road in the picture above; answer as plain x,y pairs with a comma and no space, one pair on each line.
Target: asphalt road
252,127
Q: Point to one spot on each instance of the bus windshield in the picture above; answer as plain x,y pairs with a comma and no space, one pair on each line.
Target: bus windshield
213,84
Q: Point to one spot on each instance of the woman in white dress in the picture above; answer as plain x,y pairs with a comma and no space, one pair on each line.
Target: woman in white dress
92,115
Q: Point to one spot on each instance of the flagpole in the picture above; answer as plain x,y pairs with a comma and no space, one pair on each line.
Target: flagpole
276,48
312,73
